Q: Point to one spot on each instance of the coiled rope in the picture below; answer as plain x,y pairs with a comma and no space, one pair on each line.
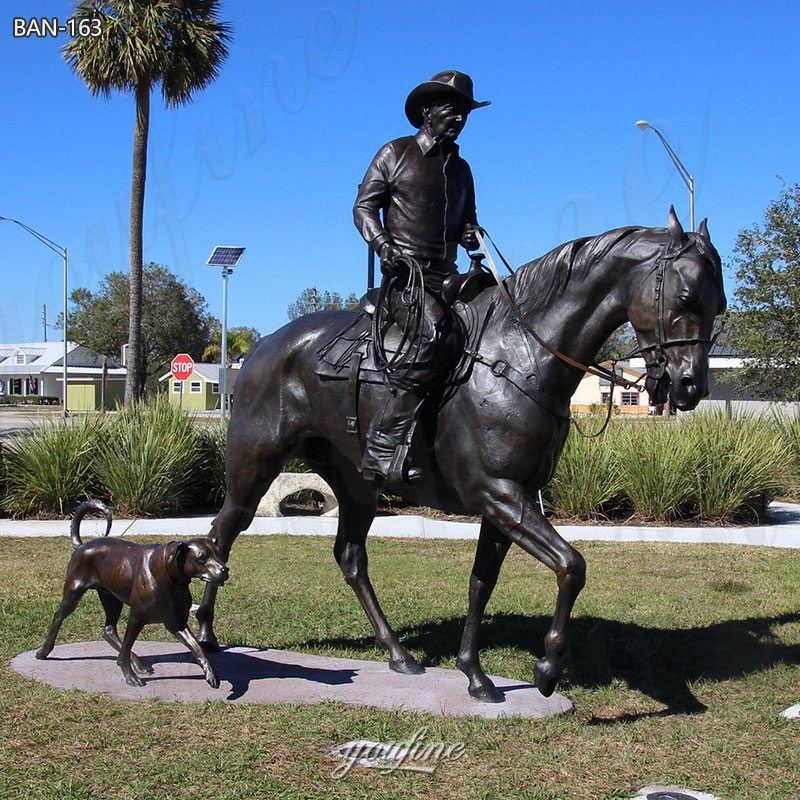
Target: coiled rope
398,365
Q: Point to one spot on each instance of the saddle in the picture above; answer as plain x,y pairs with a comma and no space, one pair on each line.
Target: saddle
350,355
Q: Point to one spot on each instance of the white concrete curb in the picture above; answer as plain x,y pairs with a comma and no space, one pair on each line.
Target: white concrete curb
784,534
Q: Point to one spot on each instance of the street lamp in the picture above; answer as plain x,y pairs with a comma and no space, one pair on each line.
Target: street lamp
62,251
686,176
227,258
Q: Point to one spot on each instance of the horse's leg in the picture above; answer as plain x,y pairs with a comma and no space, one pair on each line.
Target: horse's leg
511,509
357,505
489,556
250,467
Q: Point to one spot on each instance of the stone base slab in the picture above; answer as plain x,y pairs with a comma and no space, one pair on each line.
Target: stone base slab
252,675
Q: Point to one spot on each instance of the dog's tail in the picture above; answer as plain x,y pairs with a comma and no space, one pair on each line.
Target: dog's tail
80,512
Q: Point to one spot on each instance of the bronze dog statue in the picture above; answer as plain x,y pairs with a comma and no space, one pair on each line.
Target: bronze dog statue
153,579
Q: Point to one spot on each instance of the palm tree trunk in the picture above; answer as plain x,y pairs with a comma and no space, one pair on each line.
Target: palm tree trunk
134,386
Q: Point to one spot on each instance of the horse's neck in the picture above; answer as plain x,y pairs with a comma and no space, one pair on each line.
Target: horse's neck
579,319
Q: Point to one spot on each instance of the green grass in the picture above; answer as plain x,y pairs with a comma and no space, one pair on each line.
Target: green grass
682,658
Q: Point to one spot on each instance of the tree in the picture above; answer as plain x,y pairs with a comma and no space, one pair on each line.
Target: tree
179,44
618,345
240,342
764,325
312,299
175,319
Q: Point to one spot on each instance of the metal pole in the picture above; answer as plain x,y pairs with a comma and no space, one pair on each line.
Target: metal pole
65,412
691,202
223,358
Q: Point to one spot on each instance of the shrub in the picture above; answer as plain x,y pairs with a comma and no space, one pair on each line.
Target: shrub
147,460
743,463
657,465
789,429
587,478
211,441
48,470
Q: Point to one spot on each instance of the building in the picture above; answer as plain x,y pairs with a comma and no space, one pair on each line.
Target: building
200,391
33,372
593,393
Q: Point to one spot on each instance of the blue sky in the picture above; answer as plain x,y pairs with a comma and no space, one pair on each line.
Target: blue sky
269,157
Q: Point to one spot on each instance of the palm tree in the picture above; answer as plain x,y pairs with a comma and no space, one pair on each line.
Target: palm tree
240,343
177,44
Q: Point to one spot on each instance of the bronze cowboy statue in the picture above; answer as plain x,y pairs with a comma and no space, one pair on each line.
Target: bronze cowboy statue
498,391
416,204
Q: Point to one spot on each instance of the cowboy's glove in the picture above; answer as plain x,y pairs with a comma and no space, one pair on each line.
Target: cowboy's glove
389,255
469,240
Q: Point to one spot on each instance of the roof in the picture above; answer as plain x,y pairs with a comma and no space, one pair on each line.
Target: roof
45,356
206,372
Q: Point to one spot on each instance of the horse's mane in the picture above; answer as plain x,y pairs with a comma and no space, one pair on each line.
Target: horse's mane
537,283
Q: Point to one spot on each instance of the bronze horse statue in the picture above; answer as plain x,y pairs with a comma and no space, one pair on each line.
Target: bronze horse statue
492,440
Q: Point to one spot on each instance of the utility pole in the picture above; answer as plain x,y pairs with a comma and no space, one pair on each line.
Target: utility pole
44,320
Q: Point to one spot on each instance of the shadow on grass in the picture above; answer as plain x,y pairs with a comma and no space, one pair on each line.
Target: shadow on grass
660,662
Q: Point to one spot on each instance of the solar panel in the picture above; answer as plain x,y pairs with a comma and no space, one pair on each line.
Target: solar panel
225,256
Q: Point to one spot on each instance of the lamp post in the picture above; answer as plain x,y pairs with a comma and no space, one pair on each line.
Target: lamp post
227,258
62,251
686,176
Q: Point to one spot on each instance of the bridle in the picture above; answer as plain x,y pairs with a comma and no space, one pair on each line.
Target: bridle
656,365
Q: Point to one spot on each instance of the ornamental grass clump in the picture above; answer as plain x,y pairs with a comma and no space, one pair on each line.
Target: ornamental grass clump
147,461
211,441
658,465
587,480
743,462
47,470
789,429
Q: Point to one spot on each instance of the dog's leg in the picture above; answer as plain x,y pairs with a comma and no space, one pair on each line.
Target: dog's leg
133,630
113,608
187,637
73,592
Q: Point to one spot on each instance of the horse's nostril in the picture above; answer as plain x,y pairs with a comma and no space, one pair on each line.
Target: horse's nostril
687,381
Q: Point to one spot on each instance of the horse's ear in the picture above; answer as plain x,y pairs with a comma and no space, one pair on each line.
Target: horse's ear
674,227
703,229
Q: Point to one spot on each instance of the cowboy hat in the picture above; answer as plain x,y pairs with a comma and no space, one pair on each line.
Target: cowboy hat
450,83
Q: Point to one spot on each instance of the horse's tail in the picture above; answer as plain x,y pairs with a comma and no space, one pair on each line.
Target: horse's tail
80,512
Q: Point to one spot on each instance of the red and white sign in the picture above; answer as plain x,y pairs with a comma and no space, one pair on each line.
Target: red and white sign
182,366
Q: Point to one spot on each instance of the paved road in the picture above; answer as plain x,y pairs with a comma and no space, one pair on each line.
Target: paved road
13,420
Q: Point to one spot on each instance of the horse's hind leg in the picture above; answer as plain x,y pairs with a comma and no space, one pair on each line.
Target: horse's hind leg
250,468
511,509
489,556
357,506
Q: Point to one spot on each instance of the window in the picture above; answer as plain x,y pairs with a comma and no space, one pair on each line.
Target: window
630,398
15,386
604,397
176,387
214,388
20,358
195,387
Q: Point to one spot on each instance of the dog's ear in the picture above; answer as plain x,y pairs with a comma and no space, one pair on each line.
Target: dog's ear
178,552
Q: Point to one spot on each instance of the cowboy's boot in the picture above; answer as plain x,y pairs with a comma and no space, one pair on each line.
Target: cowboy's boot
388,440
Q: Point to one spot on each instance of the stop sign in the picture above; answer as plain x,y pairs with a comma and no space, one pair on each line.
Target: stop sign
182,366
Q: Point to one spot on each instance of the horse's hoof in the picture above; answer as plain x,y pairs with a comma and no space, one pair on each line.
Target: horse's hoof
42,654
545,677
406,666
487,694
